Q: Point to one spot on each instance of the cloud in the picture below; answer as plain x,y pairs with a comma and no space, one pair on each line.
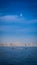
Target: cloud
11,18
17,29
8,18
15,18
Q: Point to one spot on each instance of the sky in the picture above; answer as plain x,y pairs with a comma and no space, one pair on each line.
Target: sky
18,21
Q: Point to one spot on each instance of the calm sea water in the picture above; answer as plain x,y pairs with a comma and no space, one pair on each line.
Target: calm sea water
18,55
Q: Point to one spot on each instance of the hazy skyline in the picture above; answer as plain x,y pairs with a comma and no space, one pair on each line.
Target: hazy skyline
18,21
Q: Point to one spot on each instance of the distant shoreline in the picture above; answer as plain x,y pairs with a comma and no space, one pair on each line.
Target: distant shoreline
22,45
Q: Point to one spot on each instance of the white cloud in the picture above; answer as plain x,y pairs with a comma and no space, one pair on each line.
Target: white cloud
15,18
8,18
12,18
17,29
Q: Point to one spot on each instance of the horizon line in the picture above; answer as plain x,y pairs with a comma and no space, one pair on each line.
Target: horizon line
19,44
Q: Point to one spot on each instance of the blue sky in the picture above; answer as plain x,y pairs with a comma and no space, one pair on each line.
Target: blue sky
18,21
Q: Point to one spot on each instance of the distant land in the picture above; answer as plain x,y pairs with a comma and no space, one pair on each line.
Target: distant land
19,44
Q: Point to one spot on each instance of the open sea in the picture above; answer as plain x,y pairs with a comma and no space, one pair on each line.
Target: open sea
18,55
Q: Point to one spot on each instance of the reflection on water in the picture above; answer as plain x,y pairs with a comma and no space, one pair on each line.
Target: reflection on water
18,55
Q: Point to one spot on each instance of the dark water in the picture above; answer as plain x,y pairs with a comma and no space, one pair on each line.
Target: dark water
18,56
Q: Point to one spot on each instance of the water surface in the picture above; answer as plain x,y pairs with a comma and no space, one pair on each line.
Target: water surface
18,55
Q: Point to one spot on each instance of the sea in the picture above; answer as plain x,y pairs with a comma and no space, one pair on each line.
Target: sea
18,55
